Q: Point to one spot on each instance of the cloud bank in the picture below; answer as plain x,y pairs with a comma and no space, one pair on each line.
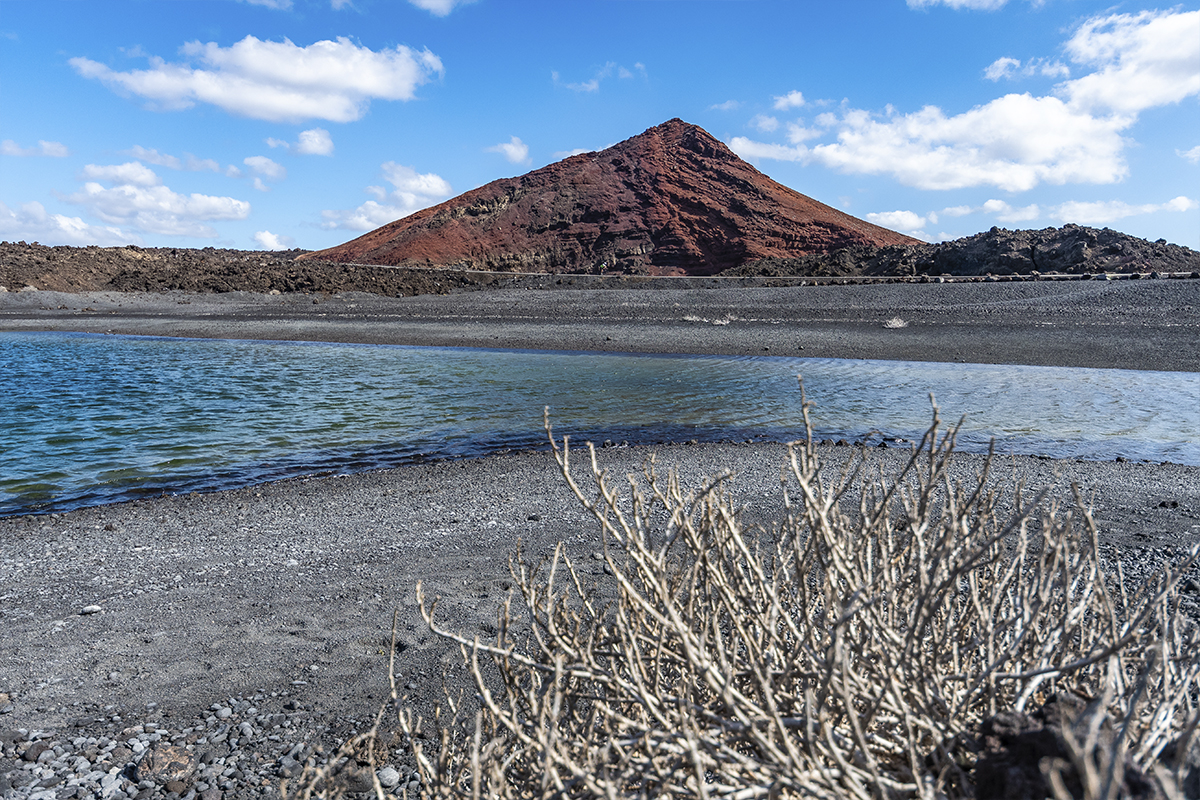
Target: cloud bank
1018,141
275,81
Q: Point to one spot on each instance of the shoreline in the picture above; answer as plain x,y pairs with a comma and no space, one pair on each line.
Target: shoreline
1145,325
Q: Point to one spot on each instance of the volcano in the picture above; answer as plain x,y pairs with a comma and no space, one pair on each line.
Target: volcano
673,200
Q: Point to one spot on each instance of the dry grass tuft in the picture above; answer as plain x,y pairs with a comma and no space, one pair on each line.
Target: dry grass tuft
852,651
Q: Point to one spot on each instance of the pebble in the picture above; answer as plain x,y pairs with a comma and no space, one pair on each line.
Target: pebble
240,747
89,610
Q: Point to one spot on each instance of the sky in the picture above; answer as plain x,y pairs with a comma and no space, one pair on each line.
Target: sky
268,124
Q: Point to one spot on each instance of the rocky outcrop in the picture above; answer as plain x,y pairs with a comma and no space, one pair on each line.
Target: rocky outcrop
1071,249
670,201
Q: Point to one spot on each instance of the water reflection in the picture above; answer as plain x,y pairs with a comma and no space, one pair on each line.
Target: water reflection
93,419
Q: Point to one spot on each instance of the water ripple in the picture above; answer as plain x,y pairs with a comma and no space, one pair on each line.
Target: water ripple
92,419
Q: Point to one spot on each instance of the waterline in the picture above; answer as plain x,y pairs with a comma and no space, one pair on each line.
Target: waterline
91,419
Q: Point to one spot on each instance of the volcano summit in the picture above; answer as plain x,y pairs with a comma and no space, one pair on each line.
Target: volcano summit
670,201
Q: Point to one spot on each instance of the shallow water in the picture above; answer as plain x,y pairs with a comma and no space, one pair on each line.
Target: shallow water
89,419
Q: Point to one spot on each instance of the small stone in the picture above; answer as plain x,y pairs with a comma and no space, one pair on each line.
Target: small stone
178,787
389,778
224,713
289,767
89,610
166,763
35,750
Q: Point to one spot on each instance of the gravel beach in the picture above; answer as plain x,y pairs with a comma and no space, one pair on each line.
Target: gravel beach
1125,324
235,634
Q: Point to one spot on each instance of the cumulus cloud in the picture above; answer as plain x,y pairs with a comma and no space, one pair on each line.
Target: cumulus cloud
265,167
1192,155
1142,61
439,8
1110,211
270,241
1018,141
908,222
133,173
514,150
313,142
1002,68
1012,68
1007,213
140,201
411,192
275,81
52,149
792,99
31,222
764,123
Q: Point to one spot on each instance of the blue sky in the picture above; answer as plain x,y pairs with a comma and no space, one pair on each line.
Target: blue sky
274,123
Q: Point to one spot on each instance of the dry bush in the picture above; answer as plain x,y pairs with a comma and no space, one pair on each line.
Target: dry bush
851,651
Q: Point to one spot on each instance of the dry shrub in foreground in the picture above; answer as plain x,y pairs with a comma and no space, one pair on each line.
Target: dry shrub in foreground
853,651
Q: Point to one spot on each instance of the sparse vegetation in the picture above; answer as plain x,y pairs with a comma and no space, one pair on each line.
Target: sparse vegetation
877,641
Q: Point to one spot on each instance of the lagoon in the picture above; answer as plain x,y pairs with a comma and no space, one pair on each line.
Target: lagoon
90,419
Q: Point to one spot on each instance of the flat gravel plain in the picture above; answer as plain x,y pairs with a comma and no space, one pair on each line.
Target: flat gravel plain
1124,324
244,633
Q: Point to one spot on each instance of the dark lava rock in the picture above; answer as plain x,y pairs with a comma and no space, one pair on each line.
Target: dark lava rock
1013,746
1071,249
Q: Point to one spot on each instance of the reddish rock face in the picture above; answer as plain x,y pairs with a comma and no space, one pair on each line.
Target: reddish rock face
671,201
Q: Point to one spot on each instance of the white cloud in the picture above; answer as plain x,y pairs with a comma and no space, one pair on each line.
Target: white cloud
1004,212
189,163
52,149
974,5
30,222
315,142
1192,155
904,221
411,192
1142,61
278,5
514,150
561,154
1002,68
270,241
792,99
140,201
133,173
728,105
1106,212
593,83
261,165
276,81
1019,141
764,123
957,211
439,8
151,156
750,149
